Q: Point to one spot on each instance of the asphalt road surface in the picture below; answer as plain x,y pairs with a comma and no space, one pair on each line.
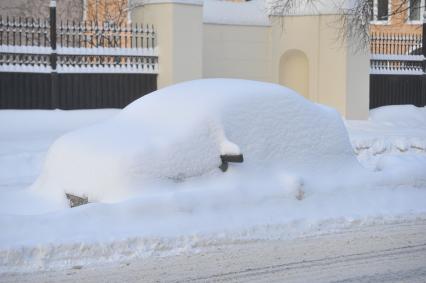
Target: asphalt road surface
392,252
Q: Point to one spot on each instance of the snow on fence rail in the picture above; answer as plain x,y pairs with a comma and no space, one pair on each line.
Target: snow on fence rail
395,66
92,34
24,32
396,54
25,46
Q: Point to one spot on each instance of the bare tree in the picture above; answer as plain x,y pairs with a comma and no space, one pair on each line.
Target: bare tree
354,23
354,20
110,16
114,12
68,10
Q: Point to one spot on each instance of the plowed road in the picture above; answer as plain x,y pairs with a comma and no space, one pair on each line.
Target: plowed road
393,252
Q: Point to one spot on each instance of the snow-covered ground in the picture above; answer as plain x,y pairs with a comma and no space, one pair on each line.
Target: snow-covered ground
37,233
392,134
25,137
380,252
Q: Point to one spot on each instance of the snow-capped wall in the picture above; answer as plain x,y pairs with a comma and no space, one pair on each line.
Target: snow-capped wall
252,13
307,7
236,13
257,12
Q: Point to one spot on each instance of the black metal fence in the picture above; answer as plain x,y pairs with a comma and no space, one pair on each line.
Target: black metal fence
74,65
398,69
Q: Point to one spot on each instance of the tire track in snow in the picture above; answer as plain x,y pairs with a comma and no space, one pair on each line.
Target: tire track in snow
380,252
348,260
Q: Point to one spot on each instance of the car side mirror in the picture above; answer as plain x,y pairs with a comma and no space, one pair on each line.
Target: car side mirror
230,158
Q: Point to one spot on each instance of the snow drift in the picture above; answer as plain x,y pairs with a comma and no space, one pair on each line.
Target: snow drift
393,142
178,133
400,115
272,195
390,129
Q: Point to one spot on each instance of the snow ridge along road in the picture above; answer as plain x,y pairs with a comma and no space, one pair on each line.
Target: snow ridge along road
380,252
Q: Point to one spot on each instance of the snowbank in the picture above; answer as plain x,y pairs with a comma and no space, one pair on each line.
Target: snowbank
400,115
266,199
37,123
25,137
390,129
179,133
393,142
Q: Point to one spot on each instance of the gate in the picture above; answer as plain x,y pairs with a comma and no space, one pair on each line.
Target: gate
398,69
45,65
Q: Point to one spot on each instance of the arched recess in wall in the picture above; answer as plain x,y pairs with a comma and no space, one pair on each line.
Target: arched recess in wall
294,71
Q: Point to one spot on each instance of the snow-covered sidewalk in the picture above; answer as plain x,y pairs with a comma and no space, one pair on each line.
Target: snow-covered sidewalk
36,235
392,251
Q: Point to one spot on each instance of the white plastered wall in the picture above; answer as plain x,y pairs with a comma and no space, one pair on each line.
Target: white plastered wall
358,85
338,77
179,27
234,51
189,49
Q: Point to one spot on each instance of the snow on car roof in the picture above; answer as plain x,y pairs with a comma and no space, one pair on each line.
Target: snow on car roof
181,131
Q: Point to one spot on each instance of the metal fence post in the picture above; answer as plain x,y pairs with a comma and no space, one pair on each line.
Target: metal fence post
53,55
423,90
424,42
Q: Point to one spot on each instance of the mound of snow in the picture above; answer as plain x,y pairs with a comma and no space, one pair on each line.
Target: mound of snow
393,142
25,136
390,130
275,196
179,132
400,115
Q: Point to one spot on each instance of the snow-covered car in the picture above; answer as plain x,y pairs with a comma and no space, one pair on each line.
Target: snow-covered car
181,132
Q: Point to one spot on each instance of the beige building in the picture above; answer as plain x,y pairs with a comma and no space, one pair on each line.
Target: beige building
210,39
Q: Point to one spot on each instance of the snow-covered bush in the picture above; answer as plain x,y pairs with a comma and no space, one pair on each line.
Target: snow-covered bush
178,133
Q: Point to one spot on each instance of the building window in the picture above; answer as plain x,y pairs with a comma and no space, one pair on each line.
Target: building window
382,10
379,10
416,10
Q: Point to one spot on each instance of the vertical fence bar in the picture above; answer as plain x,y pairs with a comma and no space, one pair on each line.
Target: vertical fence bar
1,30
424,43
423,93
53,55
